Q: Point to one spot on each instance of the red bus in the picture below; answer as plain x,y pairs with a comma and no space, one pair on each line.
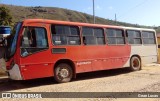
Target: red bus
45,48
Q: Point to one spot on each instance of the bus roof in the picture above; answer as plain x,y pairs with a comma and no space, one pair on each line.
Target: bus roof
28,21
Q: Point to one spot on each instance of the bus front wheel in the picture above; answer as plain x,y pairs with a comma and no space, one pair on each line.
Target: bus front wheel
135,63
63,73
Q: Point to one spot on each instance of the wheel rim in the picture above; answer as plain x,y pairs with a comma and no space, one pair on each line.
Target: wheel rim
136,63
63,73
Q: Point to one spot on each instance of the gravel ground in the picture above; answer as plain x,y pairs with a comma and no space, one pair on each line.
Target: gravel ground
120,80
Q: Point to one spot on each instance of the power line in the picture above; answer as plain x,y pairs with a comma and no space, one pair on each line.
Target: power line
129,10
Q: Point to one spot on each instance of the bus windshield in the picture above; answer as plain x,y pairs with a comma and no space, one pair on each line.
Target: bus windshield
12,46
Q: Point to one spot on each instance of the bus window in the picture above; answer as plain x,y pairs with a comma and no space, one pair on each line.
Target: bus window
115,36
99,34
134,37
93,36
65,35
148,37
34,39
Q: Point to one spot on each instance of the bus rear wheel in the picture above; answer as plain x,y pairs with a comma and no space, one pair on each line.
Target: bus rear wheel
135,64
63,73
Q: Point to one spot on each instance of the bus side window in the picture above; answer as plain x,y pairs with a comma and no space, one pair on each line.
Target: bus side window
65,35
148,37
115,36
134,37
34,39
93,36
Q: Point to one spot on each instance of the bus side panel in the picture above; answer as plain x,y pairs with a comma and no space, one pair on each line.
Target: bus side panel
80,55
117,56
148,54
93,58
86,59
111,57
37,65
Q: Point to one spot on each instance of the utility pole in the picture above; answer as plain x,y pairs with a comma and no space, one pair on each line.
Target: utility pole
115,18
93,13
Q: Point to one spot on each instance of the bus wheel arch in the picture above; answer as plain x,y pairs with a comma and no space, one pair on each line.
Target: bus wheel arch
68,67
135,63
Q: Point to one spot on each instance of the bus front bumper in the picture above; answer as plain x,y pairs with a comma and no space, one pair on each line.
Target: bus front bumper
14,73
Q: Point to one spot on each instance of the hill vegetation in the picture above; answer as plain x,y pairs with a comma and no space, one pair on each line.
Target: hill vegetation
20,12
5,17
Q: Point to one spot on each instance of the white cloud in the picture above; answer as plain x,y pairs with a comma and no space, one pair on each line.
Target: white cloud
89,8
98,7
110,8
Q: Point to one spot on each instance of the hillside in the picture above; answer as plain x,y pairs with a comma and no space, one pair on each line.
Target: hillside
21,12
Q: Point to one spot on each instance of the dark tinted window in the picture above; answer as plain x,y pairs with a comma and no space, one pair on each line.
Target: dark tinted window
89,40
34,37
133,34
134,37
62,30
93,36
115,36
65,35
148,37
87,31
74,30
73,40
98,32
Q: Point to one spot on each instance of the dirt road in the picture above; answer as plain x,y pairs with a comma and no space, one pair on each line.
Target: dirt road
120,80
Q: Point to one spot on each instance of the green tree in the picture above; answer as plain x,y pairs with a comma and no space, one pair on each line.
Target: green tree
5,17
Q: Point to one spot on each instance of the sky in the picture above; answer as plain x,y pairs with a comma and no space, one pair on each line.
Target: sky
143,12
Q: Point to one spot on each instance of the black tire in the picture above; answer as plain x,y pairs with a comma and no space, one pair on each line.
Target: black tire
135,63
63,73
